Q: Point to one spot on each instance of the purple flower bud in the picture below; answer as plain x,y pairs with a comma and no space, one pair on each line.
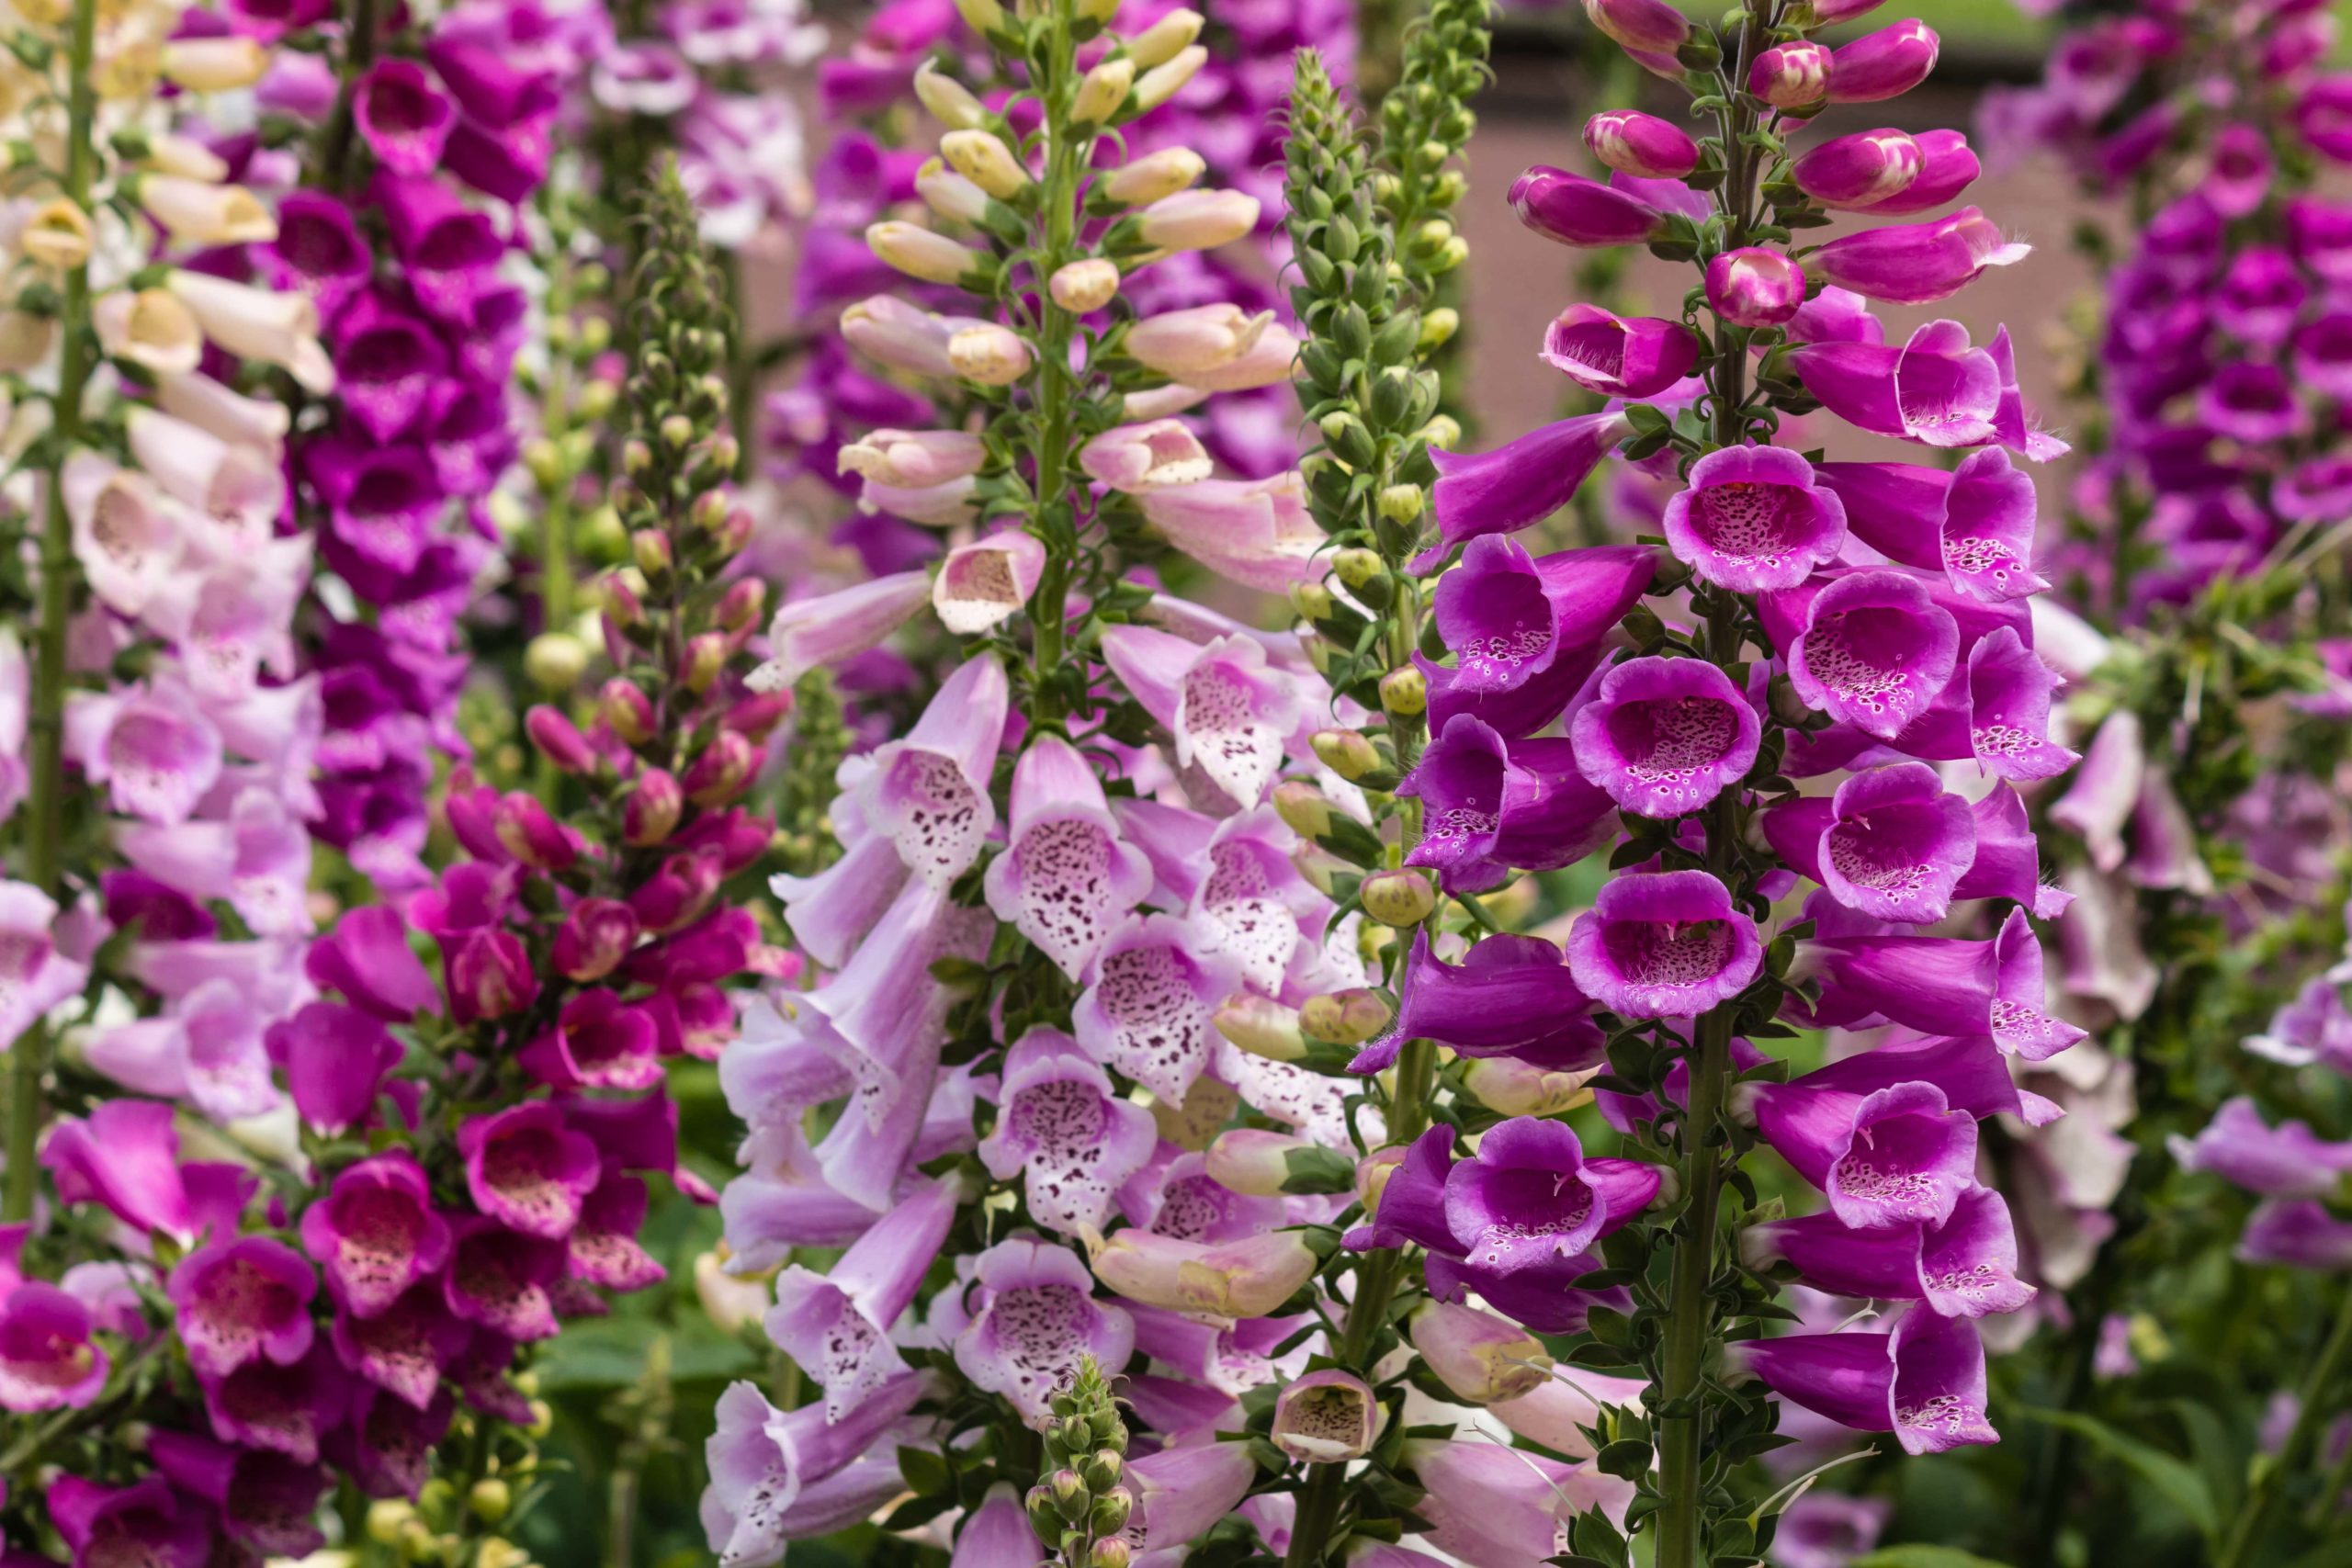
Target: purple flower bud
1577,211
652,808
559,740
1617,357
1853,172
1917,264
1884,64
528,833
1641,144
1949,168
1651,27
1664,944
488,975
680,892
723,771
1791,75
594,938
626,709
1757,286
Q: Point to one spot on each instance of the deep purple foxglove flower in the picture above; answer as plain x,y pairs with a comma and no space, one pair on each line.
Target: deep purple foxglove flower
1754,286
1489,806
1753,520
1890,843
1663,736
1975,522
1062,1127
1664,944
2009,689
1938,388
1529,1196
526,1169
2298,1232
598,1042
1065,878
1152,993
241,1300
501,1283
1510,996
1925,1382
2316,1027
2253,403
1508,617
47,1360
1519,483
1872,650
147,1519
837,1324
1619,357
403,117
1964,1266
1643,145
1897,1155
1577,211
1859,170
375,1233
1941,986
1034,1314
1227,708
1917,264
2287,1161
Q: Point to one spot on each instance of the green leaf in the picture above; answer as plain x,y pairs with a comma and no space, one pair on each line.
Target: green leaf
2174,1478
1923,1557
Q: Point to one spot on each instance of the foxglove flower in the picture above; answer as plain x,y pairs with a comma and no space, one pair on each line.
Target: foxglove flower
1034,1316
1619,357
1890,843
1664,736
1530,1195
1941,986
1925,1382
1965,1266
837,1324
1519,484
1666,944
376,1233
1060,1127
1065,878
1153,990
1510,618
1754,521
1229,711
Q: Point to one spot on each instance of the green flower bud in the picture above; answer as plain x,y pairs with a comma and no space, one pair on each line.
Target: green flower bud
1345,752
555,661
489,1499
1401,504
1303,808
1404,693
1313,601
1401,898
1345,1018
1357,566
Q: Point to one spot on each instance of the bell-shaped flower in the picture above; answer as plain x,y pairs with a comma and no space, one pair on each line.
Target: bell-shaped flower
34,976
1949,167
1618,356
1256,532
406,1349
150,743
1065,878
1235,881
2316,1027
2009,690
47,1358
1871,648
127,537
1529,1196
208,1048
1965,1266
1482,1359
1892,1156
376,1233
1229,710
1147,456
1510,618
597,1042
1034,1316
1754,521
2099,800
502,1283
1512,711
1491,1505
526,1169
929,791
1151,997
1489,806
1925,1382
255,323
1891,843
1917,264
1326,1418
1937,390
1182,1493
834,627
241,1300
1941,985
1510,996
1664,944
2287,1161
997,1534
837,1324
1975,524
125,1155
148,1519
366,957
776,1475
1059,1125
1663,736
1517,484
984,583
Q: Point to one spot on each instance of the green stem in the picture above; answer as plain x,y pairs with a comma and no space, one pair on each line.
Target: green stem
330,162
2302,1443
1053,518
45,819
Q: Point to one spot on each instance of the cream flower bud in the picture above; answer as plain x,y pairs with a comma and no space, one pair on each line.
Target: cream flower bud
991,355
202,214
1165,38
919,253
185,157
950,102
980,157
25,340
1158,175
981,15
912,459
229,414
1084,286
215,64
56,235
1175,343
255,323
948,192
150,328
1103,90
1260,1026
1161,83
1198,219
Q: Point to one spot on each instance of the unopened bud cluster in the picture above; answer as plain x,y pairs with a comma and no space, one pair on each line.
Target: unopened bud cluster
1080,1508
